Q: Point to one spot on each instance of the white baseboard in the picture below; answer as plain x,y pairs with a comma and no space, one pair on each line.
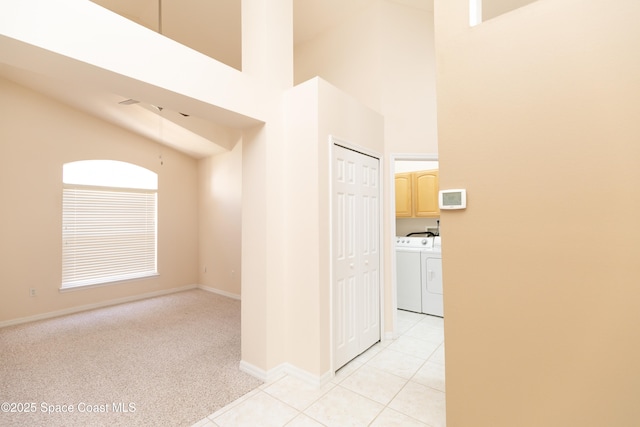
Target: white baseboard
283,369
267,377
219,292
78,309
314,380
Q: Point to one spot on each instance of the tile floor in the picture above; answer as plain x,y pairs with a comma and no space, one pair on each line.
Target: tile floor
394,383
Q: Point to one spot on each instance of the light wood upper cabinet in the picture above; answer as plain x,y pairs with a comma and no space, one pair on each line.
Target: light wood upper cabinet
404,195
417,194
425,196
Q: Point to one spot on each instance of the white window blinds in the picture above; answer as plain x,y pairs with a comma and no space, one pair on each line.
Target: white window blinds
108,233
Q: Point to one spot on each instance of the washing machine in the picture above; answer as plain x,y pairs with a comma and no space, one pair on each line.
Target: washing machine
409,280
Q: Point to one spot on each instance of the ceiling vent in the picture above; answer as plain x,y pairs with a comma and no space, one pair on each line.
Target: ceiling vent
128,102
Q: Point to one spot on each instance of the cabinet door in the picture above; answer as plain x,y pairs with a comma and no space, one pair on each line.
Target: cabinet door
425,200
404,207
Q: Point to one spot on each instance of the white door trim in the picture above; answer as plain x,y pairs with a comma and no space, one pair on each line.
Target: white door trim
392,197
332,141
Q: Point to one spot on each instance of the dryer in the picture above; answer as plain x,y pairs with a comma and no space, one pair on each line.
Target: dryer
431,279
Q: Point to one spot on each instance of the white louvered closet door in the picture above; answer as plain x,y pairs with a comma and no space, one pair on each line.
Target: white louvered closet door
356,253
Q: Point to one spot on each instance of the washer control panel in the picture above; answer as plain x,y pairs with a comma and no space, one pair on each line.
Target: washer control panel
414,242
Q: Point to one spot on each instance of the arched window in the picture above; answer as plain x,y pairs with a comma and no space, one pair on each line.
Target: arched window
109,222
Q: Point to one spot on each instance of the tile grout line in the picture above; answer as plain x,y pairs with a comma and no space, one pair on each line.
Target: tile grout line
264,387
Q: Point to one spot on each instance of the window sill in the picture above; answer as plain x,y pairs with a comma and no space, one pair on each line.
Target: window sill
101,284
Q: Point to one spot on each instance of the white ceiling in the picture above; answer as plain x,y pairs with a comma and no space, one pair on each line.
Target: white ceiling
194,23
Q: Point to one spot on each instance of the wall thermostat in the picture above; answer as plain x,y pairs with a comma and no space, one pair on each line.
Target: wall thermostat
452,199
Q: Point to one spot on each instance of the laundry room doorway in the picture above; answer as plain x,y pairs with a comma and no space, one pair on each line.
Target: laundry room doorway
356,235
403,170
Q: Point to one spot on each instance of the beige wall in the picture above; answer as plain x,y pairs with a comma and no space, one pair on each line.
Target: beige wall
267,43
194,23
220,221
307,343
264,261
37,136
538,120
254,257
347,56
384,57
408,90
314,111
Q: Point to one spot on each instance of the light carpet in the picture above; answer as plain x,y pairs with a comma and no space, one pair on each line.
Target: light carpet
165,361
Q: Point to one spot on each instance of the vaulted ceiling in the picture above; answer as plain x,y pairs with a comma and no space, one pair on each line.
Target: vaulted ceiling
210,27
214,27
